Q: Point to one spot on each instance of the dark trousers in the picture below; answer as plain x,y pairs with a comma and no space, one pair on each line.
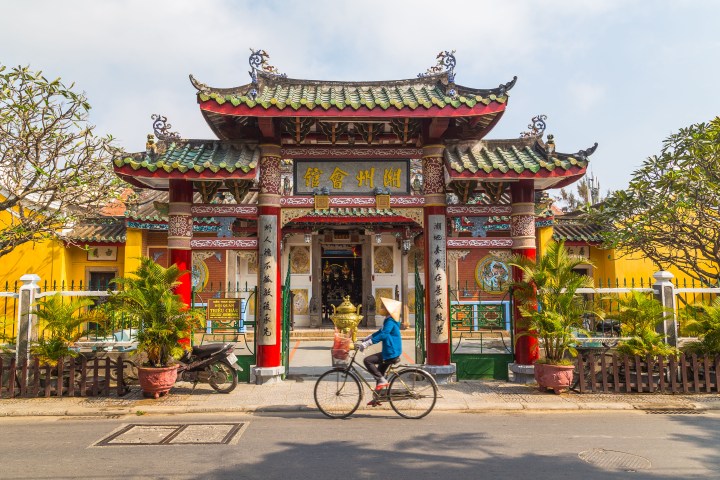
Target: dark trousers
377,366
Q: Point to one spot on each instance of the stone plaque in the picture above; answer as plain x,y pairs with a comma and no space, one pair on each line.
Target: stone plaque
437,279
267,280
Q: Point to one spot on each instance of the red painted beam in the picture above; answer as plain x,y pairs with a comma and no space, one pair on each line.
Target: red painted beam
392,112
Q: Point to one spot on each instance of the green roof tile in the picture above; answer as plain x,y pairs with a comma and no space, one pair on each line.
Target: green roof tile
424,92
519,155
184,155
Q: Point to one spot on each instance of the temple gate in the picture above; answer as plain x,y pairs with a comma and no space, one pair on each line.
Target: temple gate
369,189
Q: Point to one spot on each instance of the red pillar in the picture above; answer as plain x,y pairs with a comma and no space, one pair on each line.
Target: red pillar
269,321
522,229
437,309
180,225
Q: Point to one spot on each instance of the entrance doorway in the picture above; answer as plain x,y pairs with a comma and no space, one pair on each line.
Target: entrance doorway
341,276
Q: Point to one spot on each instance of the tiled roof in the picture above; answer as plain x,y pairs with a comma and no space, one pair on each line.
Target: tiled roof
510,156
352,212
194,155
152,206
425,92
102,230
575,231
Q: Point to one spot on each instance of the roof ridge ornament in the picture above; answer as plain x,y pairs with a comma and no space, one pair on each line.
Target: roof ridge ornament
161,128
536,127
259,62
445,62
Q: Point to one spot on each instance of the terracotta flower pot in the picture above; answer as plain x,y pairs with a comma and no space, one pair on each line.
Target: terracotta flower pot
556,377
157,381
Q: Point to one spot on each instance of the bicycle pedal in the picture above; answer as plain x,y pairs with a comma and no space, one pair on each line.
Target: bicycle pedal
374,403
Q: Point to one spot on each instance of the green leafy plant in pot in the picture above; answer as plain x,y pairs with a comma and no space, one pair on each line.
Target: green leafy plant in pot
64,324
639,314
147,296
703,322
552,310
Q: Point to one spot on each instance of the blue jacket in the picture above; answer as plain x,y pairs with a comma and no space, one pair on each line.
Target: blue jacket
390,337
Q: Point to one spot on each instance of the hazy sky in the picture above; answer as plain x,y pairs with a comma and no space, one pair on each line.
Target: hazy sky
625,74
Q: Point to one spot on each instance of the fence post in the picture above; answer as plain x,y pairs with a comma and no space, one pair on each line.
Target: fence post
26,322
665,293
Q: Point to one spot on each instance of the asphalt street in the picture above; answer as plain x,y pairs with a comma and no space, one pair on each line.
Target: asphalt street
596,445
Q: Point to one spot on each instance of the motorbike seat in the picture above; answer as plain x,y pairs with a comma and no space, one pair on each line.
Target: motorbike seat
207,350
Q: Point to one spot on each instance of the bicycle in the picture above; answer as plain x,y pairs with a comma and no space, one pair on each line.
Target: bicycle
412,392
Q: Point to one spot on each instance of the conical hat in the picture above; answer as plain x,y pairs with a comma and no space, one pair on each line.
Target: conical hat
393,307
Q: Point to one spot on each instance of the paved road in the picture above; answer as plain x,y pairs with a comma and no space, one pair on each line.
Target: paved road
375,445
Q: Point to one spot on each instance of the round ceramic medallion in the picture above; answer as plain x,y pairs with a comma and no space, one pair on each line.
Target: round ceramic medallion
199,275
492,274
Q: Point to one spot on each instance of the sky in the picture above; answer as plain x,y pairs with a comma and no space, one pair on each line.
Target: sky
625,74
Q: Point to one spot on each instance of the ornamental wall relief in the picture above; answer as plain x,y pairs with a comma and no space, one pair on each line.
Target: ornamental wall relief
383,260
300,301
300,260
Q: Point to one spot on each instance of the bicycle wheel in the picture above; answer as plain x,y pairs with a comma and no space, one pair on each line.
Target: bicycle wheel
222,377
413,393
338,393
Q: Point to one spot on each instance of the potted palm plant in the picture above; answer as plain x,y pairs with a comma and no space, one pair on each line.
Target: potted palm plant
553,310
639,314
64,325
147,297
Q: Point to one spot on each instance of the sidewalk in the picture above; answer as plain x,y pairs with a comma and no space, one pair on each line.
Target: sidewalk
296,395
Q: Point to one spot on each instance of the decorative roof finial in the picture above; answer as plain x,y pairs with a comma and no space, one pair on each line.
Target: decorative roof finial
259,62
162,129
445,62
536,127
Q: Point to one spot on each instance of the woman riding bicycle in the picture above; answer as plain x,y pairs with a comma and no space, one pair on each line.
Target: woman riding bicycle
378,363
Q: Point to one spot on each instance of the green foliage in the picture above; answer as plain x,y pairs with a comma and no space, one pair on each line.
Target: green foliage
55,170
64,321
639,314
549,302
147,297
670,212
704,322
646,342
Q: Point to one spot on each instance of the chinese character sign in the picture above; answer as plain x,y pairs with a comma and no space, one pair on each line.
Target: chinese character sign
437,280
351,176
267,280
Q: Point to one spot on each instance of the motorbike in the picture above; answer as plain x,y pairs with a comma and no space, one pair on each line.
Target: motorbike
215,364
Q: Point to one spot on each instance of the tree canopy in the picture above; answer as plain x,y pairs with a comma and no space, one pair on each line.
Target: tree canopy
54,169
670,211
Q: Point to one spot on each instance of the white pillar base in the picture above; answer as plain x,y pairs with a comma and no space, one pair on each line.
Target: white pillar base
443,374
268,375
521,373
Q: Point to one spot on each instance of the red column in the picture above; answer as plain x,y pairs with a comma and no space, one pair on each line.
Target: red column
437,310
269,321
522,229
180,225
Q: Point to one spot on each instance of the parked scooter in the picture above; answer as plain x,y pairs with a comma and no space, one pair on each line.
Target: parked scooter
215,364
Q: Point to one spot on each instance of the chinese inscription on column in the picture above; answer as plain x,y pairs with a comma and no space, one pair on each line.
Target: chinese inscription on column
437,280
267,288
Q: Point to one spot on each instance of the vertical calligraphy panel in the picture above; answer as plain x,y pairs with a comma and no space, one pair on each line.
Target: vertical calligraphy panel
437,279
266,323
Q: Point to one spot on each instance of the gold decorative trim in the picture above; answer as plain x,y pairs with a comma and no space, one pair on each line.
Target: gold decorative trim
414,214
290,214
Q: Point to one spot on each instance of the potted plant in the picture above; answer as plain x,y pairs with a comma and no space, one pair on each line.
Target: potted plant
639,314
147,297
65,322
553,310
703,322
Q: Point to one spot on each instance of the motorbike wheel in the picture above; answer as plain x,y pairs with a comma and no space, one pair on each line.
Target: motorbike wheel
222,377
